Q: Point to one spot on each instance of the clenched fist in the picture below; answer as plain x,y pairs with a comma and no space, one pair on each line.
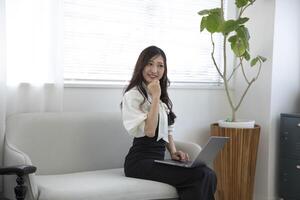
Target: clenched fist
154,89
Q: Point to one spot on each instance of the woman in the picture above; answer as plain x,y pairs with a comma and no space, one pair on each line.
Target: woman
148,116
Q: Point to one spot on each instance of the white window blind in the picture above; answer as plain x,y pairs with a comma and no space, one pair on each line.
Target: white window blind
103,38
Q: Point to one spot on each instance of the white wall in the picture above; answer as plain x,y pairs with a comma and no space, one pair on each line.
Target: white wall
196,109
275,35
285,77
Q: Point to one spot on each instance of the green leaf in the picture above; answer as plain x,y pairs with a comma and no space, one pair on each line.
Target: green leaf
215,11
229,26
246,43
242,20
238,47
241,3
203,24
254,61
203,12
210,11
232,39
243,32
213,22
263,59
246,55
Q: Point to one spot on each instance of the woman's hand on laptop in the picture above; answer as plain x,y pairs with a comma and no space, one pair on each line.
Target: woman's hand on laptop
180,156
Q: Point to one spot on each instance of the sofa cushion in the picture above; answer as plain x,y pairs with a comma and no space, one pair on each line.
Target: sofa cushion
60,143
101,184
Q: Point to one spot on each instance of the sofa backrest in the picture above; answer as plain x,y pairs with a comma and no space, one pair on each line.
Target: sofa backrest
60,143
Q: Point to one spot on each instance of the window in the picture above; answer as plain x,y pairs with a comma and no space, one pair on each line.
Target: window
102,39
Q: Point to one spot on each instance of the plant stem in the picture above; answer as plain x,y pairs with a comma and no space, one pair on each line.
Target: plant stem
244,8
223,74
249,84
225,79
260,63
243,71
222,9
233,71
243,96
230,101
213,56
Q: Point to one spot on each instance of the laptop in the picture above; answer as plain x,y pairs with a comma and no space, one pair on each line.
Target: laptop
205,156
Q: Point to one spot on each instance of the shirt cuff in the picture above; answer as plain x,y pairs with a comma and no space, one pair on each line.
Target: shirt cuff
171,129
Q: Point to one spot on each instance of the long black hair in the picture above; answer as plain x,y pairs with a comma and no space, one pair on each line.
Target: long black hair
138,78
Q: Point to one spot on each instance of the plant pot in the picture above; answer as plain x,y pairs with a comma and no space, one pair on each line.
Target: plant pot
236,163
237,124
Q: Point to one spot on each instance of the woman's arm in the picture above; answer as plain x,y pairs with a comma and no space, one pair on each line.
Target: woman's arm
176,155
152,117
171,145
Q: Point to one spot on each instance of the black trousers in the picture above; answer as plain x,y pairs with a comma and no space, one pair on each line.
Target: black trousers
197,183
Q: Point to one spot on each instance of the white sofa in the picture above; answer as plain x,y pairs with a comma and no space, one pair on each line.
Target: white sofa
79,156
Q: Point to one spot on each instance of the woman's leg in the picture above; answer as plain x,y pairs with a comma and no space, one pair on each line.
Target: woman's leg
197,183
203,188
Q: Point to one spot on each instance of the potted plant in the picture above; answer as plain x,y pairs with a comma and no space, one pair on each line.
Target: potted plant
236,163
234,33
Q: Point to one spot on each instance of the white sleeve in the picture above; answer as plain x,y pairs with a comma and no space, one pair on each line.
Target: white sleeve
133,116
171,129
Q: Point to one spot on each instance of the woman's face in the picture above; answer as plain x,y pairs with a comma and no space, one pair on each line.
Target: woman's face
154,70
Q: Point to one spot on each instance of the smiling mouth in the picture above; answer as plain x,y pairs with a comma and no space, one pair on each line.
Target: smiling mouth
153,76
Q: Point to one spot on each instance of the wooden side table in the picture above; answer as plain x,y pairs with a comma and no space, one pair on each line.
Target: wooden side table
235,165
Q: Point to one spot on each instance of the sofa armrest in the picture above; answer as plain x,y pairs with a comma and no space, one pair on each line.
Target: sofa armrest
15,157
20,171
191,148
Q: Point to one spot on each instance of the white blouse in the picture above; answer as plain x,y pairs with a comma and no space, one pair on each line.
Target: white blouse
134,115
